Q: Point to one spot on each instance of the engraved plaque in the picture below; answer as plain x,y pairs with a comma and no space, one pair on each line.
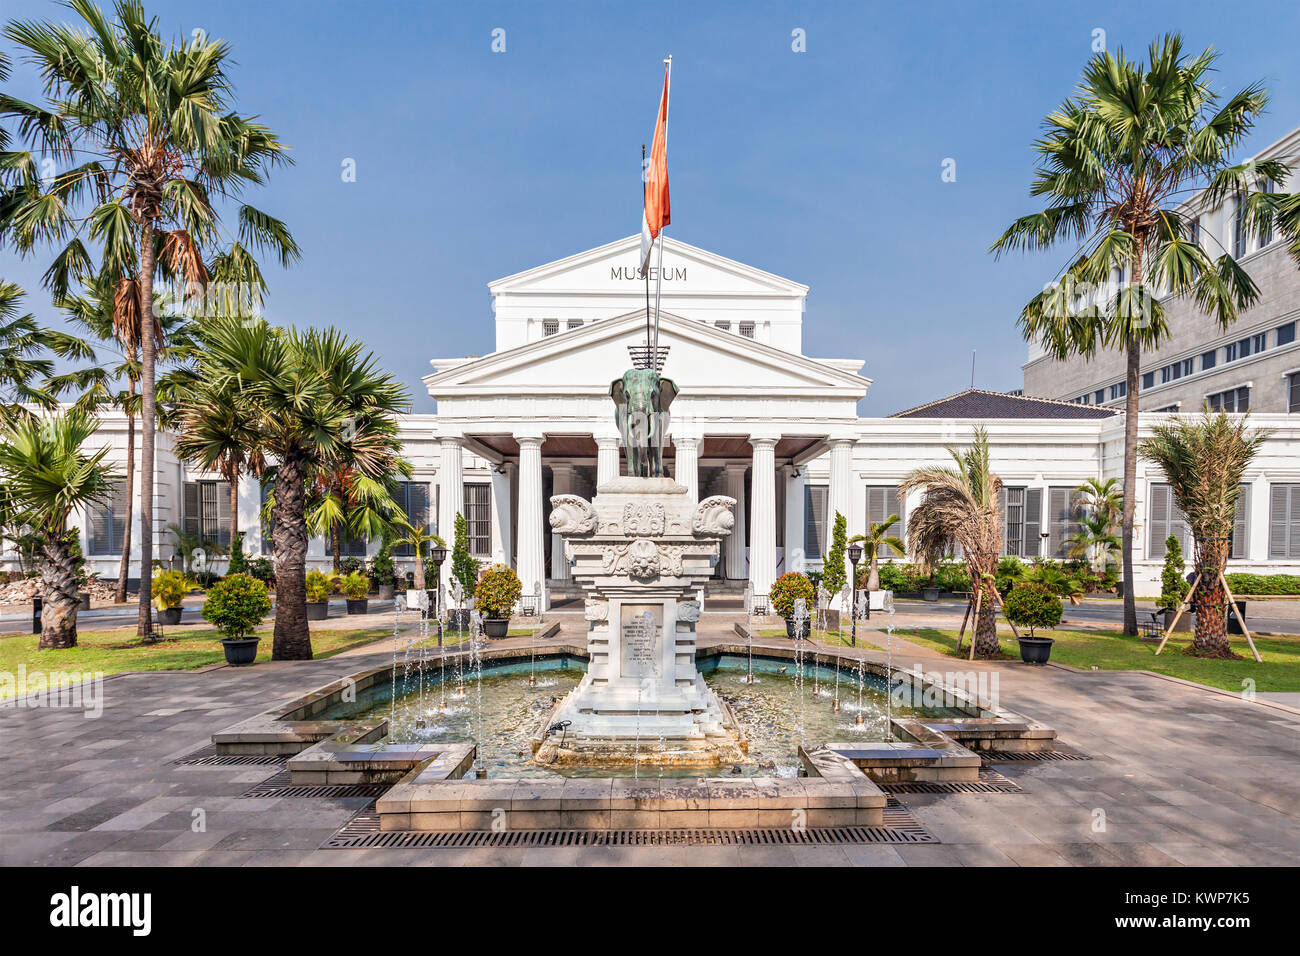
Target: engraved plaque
641,633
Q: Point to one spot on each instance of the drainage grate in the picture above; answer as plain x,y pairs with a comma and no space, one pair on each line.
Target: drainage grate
1008,756
990,781
363,831
281,785
208,757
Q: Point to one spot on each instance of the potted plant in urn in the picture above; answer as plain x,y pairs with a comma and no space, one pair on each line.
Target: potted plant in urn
235,606
169,591
319,588
1032,605
355,586
495,595
789,588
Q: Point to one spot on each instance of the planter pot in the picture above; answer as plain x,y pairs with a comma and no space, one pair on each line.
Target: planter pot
358,605
84,598
929,594
171,616
795,629
458,620
385,592
1185,623
496,626
1035,650
318,610
242,653
1234,626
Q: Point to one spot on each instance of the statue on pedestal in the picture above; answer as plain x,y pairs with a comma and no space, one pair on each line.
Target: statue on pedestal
641,399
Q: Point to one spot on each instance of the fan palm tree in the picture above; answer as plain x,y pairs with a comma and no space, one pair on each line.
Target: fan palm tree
961,505
47,477
1266,211
25,363
1204,461
151,144
877,538
1099,508
1116,160
314,397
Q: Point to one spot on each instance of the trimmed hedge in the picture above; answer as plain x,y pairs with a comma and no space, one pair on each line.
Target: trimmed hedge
1244,583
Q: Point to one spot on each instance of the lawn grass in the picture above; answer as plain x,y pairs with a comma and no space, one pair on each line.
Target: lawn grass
111,652
1110,650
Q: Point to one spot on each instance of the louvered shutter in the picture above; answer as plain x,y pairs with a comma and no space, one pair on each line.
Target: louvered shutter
222,531
1033,522
1006,517
190,510
814,521
1158,522
1241,523
1059,507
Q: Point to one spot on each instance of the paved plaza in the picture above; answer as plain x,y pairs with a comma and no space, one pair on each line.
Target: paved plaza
1179,775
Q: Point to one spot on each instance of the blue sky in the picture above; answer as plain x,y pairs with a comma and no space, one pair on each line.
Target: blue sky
823,166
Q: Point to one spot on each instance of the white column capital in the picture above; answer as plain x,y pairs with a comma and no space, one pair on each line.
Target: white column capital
530,440
764,441
687,441
735,467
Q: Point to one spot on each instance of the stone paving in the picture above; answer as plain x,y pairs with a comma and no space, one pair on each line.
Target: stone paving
1180,775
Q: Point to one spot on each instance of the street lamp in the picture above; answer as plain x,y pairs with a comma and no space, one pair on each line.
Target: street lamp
437,555
855,555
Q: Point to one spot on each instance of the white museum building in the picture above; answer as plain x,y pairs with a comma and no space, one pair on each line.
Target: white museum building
756,419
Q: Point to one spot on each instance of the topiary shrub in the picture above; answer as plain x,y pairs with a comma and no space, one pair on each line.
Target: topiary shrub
1032,605
1173,583
834,578
238,563
789,588
497,591
463,566
236,605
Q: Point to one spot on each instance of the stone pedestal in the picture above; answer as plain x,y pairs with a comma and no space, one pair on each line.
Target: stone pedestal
642,549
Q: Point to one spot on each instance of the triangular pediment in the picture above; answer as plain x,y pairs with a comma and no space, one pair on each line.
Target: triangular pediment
702,360
614,268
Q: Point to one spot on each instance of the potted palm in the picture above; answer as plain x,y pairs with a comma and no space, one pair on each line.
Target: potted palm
169,591
421,540
874,542
1033,605
355,586
319,588
235,606
495,595
787,589
383,573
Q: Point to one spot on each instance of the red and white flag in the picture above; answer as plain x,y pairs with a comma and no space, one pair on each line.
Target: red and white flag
656,214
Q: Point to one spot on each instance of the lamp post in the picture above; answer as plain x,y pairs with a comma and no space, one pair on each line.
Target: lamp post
437,555
855,555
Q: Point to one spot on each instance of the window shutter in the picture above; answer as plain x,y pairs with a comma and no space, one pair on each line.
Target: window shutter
1058,508
1293,523
222,534
190,508
208,511
1033,521
1158,523
1006,517
1240,523
814,521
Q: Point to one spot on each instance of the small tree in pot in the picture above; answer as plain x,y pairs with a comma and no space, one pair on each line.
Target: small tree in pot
355,587
495,595
789,588
464,569
235,606
1033,605
1174,584
169,591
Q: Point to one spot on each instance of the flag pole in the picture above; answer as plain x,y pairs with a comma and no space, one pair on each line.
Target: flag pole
646,272
659,279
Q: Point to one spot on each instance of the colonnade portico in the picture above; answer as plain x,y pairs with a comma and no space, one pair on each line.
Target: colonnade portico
520,505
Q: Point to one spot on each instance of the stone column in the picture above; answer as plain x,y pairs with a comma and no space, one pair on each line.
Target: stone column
451,499
503,523
532,565
839,494
606,459
736,540
687,467
794,520
562,484
762,516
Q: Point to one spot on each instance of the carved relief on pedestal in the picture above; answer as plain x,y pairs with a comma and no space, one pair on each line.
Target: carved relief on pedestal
571,514
688,611
596,611
714,516
642,519
643,558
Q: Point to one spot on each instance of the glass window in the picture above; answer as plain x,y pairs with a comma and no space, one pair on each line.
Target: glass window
106,533
205,511
413,498
747,329
1232,400
1208,359
882,501
1239,236
814,521
1284,334
1266,234
478,518
1118,390
1148,379
1230,352
1293,392
550,326
1099,396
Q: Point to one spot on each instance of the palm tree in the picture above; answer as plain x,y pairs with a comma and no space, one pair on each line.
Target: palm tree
961,505
314,396
421,539
341,501
151,142
1115,160
877,538
1100,507
98,383
1268,211
25,363
1203,462
48,477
